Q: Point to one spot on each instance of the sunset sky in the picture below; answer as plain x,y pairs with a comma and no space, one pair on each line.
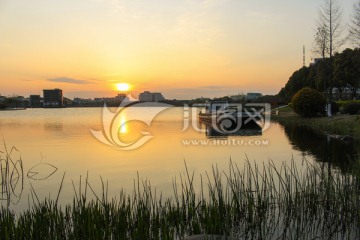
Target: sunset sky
182,48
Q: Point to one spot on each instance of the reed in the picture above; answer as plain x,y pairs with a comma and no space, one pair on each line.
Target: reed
11,176
250,202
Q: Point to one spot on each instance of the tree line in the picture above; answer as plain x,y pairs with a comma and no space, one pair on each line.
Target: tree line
331,69
342,74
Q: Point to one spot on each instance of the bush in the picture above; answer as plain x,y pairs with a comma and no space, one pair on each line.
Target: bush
308,102
342,104
352,108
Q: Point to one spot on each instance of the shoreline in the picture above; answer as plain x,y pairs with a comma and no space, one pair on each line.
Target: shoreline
341,126
12,109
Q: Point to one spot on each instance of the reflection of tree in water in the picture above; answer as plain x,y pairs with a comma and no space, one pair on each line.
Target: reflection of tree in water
323,148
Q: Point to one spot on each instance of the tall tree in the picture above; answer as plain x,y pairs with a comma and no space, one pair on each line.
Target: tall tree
329,37
330,27
296,82
344,71
355,25
355,72
321,42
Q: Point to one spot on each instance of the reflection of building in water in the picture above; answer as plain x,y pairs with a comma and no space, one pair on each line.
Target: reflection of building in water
53,98
150,97
53,125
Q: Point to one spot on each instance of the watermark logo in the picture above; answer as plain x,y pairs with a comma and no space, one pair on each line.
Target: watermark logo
227,119
225,142
113,122
259,113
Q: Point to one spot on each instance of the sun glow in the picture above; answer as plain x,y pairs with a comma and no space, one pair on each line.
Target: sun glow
123,87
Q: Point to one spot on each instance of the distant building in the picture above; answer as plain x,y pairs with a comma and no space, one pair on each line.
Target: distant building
347,93
150,97
317,60
53,98
35,101
68,102
201,100
110,101
82,100
107,100
251,96
238,97
120,97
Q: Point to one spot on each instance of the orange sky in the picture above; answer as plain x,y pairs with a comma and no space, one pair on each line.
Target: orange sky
184,49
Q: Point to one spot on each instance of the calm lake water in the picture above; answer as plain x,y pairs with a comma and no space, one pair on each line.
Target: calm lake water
60,139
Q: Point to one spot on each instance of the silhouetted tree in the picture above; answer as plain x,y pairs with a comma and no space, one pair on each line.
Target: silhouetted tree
297,81
355,72
329,37
321,42
330,28
346,71
355,25
322,75
340,76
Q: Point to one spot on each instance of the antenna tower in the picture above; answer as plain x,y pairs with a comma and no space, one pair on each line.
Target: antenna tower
304,56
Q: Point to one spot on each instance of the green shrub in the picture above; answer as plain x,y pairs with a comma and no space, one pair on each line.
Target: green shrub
308,102
343,103
352,108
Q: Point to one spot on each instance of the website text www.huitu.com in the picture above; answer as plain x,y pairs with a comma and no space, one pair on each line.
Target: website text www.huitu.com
225,142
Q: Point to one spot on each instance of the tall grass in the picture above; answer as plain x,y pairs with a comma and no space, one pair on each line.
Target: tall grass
11,177
251,202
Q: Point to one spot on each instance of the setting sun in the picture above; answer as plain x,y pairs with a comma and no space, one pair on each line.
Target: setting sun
122,86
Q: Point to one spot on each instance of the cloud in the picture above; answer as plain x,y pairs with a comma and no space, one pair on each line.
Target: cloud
69,80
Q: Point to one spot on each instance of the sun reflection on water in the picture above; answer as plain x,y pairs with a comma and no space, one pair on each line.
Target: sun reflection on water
123,124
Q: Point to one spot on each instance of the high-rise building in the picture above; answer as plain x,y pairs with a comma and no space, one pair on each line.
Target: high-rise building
35,101
53,98
150,97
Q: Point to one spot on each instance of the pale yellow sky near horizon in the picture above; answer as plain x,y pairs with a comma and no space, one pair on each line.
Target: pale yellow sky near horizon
182,48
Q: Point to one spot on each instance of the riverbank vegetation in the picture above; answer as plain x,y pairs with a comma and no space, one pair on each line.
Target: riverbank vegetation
340,124
245,202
